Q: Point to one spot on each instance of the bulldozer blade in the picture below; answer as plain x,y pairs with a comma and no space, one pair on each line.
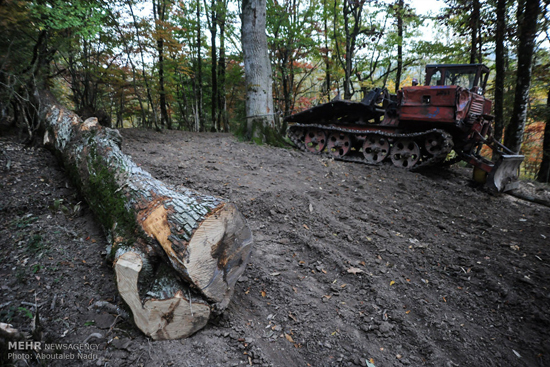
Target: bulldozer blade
504,175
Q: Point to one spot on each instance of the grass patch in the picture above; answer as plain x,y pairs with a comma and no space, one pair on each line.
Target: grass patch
35,243
24,221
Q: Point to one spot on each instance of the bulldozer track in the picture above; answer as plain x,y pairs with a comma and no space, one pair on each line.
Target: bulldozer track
296,134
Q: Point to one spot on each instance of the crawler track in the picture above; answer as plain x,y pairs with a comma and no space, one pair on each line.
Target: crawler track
373,145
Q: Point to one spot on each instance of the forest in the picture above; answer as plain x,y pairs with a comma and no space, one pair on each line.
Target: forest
165,64
153,212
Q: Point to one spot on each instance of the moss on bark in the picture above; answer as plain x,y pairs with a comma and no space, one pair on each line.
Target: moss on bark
257,130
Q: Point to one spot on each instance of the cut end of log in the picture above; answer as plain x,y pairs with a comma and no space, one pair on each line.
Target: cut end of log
218,254
172,318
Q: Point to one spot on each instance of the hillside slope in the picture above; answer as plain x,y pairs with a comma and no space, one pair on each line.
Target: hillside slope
352,263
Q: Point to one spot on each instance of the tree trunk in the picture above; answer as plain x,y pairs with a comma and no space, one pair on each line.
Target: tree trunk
474,28
500,69
214,63
400,10
177,254
349,54
326,57
222,113
351,10
145,79
159,14
527,21
198,103
544,171
257,69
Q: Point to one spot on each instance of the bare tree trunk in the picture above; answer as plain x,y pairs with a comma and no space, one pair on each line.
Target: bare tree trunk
500,69
400,9
544,170
257,68
177,254
326,57
159,14
198,104
349,54
145,79
474,28
528,12
351,10
213,23
134,81
222,114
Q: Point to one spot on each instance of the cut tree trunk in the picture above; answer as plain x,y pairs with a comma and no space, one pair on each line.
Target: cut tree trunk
177,254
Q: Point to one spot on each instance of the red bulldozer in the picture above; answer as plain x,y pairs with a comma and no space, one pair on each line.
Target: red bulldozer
418,127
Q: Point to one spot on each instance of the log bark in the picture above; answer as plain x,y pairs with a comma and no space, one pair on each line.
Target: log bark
177,254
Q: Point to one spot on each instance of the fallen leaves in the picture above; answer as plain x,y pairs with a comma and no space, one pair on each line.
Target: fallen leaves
289,338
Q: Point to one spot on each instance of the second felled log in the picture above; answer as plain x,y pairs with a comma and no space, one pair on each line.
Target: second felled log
177,254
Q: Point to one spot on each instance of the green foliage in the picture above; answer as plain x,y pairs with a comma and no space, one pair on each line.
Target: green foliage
101,55
35,243
23,222
6,315
83,18
294,51
25,311
35,268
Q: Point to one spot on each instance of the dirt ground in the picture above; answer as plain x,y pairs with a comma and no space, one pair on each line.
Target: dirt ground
353,265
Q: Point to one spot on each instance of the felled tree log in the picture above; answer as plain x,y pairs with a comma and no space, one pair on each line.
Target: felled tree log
177,254
9,333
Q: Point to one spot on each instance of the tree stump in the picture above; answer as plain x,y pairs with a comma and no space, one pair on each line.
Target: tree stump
177,254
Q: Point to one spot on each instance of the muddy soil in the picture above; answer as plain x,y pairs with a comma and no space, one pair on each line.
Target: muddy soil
353,265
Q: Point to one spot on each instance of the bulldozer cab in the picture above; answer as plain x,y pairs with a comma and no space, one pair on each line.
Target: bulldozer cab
471,76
